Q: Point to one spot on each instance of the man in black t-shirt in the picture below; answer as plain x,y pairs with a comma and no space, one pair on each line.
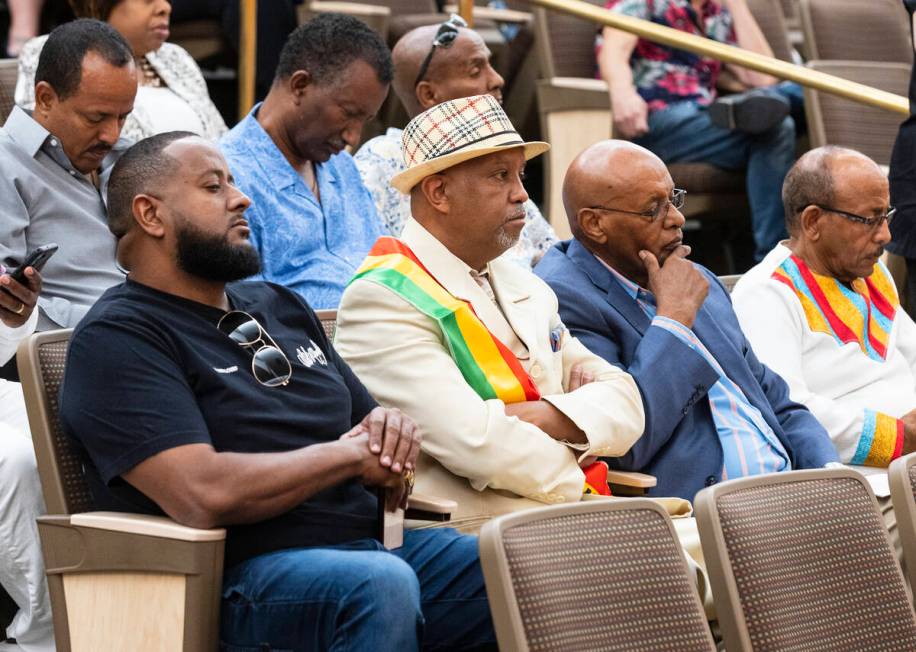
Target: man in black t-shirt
225,405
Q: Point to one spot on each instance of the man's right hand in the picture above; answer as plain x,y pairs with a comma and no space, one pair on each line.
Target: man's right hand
630,114
390,444
679,287
17,300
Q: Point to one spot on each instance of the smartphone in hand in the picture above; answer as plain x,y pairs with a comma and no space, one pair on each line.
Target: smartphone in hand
35,258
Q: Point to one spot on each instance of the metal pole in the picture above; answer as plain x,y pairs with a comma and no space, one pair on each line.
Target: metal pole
248,43
731,54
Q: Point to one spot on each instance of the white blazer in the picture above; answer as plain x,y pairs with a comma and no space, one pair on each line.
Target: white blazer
490,463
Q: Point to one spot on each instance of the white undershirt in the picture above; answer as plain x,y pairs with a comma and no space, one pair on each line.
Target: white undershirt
167,111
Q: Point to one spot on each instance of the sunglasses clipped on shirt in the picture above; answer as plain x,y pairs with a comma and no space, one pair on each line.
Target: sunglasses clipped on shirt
445,36
269,364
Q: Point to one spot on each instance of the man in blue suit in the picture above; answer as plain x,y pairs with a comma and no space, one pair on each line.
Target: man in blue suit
628,292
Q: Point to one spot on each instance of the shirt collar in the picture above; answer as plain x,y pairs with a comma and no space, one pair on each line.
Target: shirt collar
447,268
32,137
632,289
265,151
25,130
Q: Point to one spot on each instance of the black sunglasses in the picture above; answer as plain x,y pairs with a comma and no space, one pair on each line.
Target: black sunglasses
445,36
269,365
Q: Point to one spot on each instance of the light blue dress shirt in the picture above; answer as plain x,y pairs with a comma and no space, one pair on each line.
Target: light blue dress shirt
749,445
313,248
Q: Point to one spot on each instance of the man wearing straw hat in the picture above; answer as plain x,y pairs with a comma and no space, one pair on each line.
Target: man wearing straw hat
513,409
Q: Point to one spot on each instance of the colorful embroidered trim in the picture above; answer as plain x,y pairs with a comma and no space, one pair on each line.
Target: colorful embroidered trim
864,314
487,364
881,441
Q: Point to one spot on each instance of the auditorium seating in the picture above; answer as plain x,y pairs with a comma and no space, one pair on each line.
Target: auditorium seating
8,71
595,575
876,30
902,478
836,121
801,561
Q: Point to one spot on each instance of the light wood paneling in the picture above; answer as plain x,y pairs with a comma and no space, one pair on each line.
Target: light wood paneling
115,612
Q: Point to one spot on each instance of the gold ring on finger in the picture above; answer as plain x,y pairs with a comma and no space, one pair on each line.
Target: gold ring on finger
409,477
20,309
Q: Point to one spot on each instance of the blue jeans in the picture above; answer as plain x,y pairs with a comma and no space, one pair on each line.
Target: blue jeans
427,594
682,133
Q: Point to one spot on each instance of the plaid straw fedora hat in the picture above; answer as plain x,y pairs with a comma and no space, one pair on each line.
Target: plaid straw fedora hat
457,131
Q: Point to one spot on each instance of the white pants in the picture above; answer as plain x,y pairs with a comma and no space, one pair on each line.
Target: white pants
22,571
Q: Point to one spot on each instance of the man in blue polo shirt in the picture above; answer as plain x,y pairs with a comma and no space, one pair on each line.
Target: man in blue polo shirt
224,405
313,221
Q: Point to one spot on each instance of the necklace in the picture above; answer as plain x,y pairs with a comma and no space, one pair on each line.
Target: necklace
150,76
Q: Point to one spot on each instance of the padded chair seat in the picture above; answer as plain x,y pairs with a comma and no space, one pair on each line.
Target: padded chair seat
704,178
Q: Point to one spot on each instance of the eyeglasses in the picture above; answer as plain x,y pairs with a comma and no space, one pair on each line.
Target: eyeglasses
269,365
445,36
870,222
677,199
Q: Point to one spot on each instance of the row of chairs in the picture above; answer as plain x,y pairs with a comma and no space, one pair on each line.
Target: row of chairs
797,561
118,564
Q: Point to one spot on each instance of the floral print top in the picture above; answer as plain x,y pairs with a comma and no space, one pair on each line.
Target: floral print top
663,75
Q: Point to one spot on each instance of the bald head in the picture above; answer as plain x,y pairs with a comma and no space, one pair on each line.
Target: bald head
603,174
459,70
814,179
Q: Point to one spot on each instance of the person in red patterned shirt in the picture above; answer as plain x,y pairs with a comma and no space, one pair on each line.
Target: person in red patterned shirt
665,100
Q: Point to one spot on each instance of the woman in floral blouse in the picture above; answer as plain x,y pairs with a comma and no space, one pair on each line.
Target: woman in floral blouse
172,94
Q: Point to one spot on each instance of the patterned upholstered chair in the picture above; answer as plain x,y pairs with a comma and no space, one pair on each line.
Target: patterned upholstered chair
596,575
801,561
902,478
8,71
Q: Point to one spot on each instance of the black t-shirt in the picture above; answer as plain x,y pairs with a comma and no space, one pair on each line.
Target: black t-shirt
148,371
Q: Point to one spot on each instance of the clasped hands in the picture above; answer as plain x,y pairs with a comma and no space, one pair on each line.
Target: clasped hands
390,444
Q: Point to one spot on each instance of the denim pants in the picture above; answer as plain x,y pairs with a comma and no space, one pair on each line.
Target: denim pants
427,594
682,133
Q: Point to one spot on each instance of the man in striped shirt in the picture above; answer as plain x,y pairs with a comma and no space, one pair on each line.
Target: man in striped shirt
627,291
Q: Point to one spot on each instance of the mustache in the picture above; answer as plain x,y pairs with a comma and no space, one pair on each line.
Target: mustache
517,215
100,148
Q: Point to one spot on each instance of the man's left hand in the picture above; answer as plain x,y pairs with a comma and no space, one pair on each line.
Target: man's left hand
18,300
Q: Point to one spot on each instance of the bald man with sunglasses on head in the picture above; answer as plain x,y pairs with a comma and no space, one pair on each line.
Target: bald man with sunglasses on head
434,64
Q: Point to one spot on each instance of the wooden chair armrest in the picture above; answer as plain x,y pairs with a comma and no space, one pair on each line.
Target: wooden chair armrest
422,507
630,483
152,526
497,15
572,93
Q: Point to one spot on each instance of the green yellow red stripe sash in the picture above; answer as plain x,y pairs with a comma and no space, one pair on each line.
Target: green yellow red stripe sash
487,364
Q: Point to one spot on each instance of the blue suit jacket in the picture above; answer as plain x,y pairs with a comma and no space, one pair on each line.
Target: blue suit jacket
680,445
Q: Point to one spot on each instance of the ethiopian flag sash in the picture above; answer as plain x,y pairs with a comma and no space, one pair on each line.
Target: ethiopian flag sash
488,366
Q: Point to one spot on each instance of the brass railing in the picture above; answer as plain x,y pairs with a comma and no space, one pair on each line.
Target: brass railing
730,54
248,43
